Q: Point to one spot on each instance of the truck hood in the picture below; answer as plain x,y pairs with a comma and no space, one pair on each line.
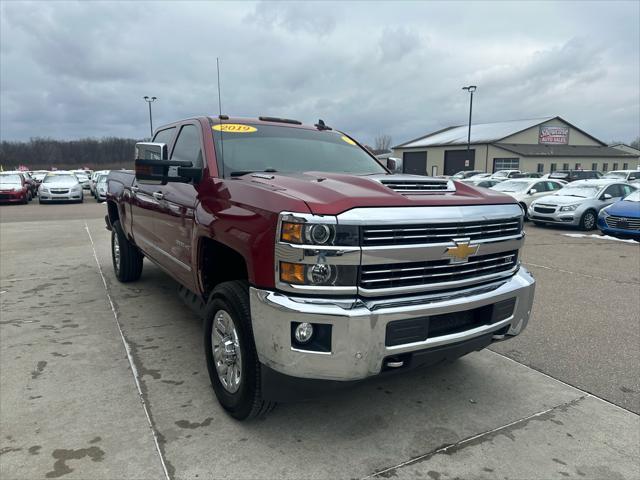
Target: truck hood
334,193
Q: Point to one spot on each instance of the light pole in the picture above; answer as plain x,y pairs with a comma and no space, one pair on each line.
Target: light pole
149,101
470,89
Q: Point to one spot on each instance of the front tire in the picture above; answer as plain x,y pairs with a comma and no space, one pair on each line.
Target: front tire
232,360
588,221
126,258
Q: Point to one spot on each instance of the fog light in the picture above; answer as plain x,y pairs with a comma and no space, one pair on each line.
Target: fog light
304,332
320,274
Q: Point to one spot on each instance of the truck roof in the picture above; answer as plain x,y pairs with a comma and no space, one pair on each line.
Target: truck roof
261,120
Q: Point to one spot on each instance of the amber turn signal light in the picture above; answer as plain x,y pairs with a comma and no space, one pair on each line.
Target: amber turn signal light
292,272
291,232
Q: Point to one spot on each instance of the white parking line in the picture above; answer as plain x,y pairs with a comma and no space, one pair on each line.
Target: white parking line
127,347
561,270
599,237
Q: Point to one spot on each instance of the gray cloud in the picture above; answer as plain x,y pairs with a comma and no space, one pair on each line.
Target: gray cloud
81,69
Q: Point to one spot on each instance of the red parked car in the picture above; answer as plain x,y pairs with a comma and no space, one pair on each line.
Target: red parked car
14,188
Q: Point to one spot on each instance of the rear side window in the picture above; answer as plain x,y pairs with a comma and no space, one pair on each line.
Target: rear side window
553,186
540,187
188,147
165,136
626,189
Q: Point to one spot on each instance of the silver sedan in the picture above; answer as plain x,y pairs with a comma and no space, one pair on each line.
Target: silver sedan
60,186
579,203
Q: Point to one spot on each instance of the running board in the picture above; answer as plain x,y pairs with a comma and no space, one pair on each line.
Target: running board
192,300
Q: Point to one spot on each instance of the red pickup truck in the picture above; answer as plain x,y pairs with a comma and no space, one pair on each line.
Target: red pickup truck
312,265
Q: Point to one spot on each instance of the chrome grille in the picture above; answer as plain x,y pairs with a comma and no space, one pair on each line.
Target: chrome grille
418,186
624,223
440,232
59,190
434,272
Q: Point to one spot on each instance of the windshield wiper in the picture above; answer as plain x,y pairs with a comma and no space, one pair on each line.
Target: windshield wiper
240,173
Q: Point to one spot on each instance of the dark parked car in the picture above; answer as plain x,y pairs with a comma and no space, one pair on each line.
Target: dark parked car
573,175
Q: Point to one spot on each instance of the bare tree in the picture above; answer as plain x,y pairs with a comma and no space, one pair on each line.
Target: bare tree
382,141
635,143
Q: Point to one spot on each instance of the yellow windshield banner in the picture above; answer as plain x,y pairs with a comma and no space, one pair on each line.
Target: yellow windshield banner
234,128
348,140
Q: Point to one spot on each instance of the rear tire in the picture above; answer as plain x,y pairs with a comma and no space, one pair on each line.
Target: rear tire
588,220
229,312
126,258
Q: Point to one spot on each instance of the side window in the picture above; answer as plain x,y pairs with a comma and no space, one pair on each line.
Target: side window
188,147
613,190
633,176
626,189
553,186
540,187
165,136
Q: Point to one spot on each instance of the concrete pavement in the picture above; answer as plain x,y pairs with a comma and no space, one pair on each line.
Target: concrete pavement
70,405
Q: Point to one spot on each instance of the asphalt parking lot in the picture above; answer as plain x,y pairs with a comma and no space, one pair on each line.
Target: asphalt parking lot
107,381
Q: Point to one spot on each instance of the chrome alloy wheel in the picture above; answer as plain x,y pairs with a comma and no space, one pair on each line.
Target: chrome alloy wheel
227,354
116,251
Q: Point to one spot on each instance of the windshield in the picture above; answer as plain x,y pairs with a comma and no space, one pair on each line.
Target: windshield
510,186
10,180
259,148
615,175
501,173
633,197
82,177
60,179
584,191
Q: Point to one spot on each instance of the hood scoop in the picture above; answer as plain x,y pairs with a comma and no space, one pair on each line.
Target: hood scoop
416,184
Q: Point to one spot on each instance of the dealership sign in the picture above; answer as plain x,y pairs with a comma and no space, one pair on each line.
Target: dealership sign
554,135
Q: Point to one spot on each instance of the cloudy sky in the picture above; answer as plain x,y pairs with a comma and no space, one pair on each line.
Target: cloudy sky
71,70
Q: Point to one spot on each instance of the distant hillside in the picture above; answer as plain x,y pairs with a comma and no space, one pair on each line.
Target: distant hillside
45,153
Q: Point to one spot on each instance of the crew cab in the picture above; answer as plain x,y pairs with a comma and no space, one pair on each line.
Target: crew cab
312,265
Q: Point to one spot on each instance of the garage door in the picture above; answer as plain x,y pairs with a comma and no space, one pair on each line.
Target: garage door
414,163
456,161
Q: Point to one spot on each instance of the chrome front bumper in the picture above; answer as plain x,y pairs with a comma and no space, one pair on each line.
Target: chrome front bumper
359,327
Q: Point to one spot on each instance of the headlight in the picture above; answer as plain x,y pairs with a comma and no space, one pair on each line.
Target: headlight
569,208
298,230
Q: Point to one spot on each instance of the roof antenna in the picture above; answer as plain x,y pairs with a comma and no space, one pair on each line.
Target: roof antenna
322,126
220,117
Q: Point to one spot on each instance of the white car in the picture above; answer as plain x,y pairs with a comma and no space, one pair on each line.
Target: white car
101,188
94,180
526,190
631,176
505,173
60,186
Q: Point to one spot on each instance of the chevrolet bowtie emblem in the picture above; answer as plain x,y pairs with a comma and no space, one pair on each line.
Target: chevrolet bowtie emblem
462,251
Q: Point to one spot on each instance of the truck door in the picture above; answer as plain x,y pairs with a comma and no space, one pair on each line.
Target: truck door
146,207
175,226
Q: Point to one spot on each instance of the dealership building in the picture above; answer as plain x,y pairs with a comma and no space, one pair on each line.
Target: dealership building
532,145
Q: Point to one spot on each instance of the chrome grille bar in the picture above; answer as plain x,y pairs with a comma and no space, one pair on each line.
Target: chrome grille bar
430,273
432,233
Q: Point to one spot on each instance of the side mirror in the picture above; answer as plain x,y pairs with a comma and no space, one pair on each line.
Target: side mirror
394,164
606,196
152,166
533,191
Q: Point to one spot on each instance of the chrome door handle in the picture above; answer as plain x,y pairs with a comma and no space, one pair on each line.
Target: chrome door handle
135,189
158,195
